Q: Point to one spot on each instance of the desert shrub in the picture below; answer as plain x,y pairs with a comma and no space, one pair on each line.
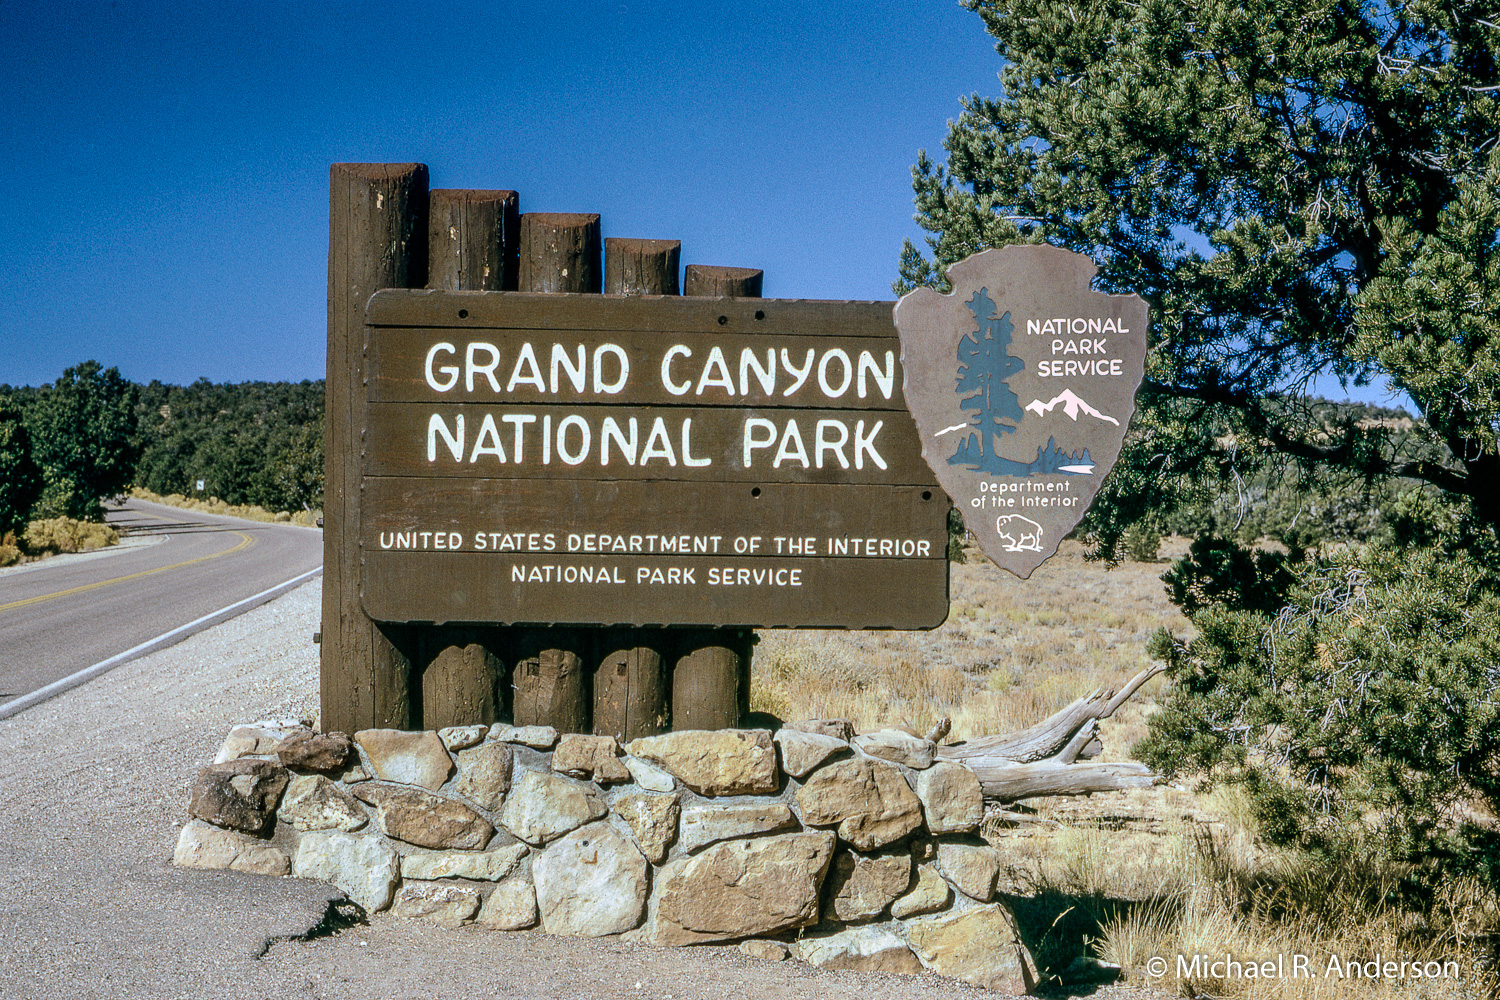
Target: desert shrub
1142,541
10,552
65,534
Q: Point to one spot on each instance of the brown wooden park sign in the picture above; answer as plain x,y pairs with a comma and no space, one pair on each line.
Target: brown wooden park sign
603,460
565,493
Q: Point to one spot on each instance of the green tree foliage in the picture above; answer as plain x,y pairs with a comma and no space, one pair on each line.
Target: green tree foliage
1298,188
82,432
253,442
20,479
1361,712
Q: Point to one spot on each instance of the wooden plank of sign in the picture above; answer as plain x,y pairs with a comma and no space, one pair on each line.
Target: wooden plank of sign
427,365
427,308
573,589
878,447
519,514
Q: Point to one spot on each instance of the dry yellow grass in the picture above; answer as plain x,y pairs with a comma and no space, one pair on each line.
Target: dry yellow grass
213,505
1010,653
64,534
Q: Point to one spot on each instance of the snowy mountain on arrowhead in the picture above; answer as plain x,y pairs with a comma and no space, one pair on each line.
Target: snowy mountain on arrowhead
1071,405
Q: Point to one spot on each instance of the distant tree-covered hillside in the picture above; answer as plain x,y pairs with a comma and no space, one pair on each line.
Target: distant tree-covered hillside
250,442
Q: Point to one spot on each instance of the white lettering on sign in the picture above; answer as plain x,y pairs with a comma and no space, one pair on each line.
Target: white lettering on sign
761,433
573,440
1074,326
834,371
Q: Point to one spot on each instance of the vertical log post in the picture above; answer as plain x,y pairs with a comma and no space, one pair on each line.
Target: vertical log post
472,244
641,267
560,252
549,682
735,282
630,683
711,677
473,241
377,223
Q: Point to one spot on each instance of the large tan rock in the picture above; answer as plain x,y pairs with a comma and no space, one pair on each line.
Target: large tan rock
536,737
238,794
484,774
264,737
897,747
974,945
314,751
869,800
590,883
585,756
365,867
485,866
766,951
203,846
801,752
649,776
543,807
714,762
839,729
313,802
448,905
929,895
409,758
706,824
861,886
652,819
511,907
742,888
424,819
860,949
458,738
971,868
952,800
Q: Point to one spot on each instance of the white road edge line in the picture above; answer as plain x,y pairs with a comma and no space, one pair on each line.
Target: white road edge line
162,641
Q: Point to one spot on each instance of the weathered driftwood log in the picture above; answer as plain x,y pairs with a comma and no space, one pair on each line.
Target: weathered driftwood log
1045,759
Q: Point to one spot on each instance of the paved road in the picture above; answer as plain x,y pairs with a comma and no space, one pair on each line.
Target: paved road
60,616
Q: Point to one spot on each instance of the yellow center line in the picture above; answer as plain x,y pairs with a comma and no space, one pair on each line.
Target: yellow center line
133,576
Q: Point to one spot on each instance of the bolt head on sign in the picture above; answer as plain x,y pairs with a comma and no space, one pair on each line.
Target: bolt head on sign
1022,382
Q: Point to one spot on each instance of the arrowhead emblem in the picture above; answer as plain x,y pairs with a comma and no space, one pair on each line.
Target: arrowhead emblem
1022,383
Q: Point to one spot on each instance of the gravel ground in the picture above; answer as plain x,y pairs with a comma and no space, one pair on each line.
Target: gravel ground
92,788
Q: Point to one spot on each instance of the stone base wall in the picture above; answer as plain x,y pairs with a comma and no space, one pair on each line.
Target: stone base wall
853,852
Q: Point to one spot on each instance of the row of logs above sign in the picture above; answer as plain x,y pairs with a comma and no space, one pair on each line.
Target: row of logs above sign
477,240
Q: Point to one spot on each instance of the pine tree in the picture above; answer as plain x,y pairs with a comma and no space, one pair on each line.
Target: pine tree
1299,188
984,365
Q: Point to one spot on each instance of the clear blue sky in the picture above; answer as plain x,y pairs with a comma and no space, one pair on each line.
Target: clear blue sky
164,166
